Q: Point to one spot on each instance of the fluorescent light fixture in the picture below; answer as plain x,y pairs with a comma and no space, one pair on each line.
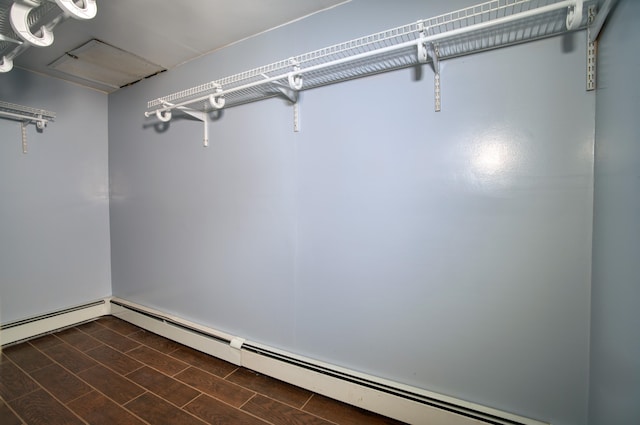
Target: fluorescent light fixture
104,64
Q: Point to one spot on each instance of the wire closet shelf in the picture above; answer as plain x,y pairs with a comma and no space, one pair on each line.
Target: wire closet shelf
485,26
25,113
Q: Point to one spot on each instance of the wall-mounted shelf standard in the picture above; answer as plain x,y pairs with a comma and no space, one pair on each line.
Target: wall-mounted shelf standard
488,25
26,116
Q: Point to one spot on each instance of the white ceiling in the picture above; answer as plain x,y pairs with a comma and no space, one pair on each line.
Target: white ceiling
169,32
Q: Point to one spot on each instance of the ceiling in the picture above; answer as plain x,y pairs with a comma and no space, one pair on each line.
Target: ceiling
166,33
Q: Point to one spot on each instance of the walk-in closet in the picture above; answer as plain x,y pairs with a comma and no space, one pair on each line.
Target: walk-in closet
361,211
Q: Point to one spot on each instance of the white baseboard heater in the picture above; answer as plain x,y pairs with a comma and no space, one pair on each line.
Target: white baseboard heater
402,402
21,330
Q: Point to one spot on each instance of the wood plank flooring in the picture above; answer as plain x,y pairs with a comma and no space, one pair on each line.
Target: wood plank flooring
111,372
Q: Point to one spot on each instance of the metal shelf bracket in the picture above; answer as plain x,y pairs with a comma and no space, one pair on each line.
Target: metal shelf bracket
434,54
165,116
429,51
23,131
596,24
291,92
592,50
202,116
296,117
40,125
595,21
26,116
295,84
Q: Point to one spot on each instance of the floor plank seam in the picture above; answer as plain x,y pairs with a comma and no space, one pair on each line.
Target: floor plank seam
42,388
306,402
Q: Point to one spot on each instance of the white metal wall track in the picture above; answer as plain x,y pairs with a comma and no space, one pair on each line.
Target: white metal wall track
25,23
25,115
488,25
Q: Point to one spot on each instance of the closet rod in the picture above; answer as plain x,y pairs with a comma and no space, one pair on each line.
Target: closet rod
20,117
25,113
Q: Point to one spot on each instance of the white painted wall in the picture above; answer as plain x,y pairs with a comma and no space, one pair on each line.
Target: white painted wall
450,251
54,201
615,345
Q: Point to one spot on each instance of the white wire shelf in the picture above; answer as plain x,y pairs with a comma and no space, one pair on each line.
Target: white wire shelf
485,26
26,115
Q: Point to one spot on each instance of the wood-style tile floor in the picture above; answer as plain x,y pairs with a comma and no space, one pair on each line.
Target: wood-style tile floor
113,373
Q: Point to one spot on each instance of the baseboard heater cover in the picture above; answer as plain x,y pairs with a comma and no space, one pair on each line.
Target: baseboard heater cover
22,330
392,399
393,390
207,340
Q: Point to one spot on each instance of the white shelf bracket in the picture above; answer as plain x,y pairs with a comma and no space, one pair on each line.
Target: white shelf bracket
201,116
595,24
23,131
293,97
25,115
435,62
592,50
428,51
40,124
295,84
291,92
296,117
165,115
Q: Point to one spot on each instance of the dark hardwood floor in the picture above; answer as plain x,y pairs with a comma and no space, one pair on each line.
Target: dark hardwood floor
111,372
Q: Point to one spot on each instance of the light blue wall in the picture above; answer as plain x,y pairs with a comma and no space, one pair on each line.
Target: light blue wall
450,251
54,203
615,344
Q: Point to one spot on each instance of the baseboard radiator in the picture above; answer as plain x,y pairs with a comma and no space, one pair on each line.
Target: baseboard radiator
21,330
402,402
